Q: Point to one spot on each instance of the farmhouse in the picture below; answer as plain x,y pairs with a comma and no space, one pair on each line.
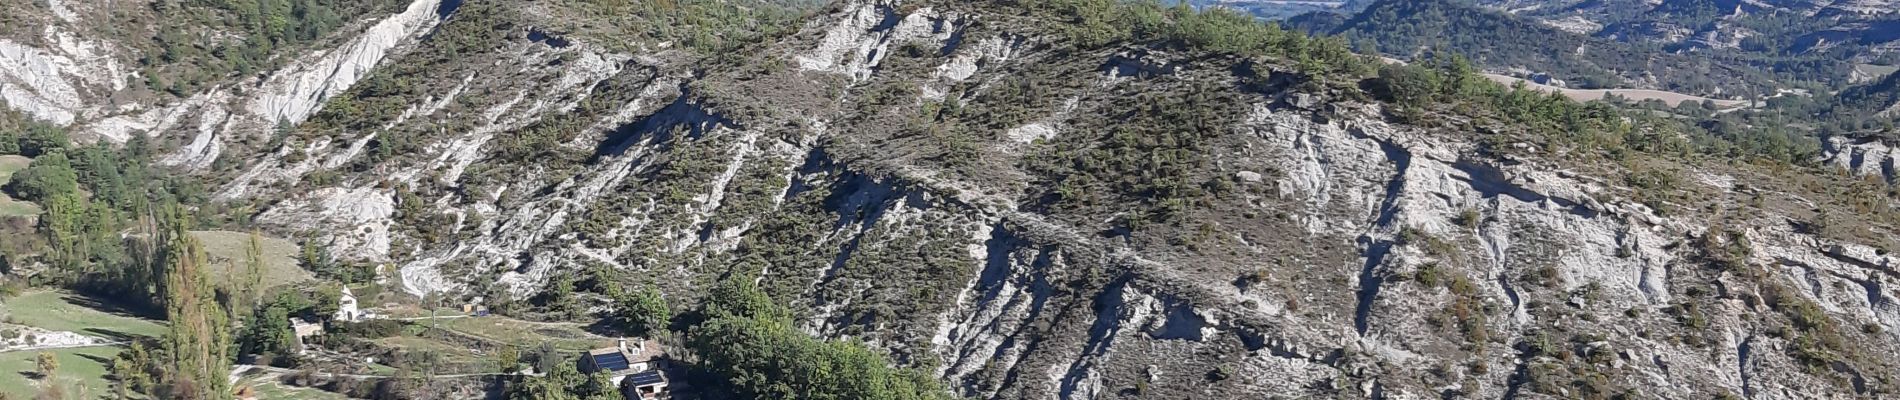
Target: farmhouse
638,367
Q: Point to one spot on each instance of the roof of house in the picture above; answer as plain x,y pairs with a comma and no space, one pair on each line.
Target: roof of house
619,359
649,377
613,360
648,350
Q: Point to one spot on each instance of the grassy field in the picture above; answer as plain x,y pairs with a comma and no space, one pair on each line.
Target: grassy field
226,249
62,311
10,164
414,311
81,371
11,207
8,206
272,390
505,330
1877,71
1634,95
450,353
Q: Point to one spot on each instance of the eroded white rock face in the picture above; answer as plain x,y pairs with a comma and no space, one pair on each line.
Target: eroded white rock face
1533,216
46,83
1575,24
27,338
968,59
863,38
68,78
67,82
363,214
1863,7
1865,157
297,92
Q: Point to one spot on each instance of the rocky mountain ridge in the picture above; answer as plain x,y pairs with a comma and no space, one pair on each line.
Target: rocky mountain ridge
479,151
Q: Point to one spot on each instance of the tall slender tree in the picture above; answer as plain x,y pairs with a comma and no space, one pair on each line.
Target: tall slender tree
200,336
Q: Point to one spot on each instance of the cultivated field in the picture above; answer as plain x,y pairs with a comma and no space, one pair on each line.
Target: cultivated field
1634,95
1871,72
567,337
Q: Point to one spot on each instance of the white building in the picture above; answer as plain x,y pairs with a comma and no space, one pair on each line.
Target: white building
346,307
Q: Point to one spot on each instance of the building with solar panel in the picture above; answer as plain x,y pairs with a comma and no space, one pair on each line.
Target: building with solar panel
638,367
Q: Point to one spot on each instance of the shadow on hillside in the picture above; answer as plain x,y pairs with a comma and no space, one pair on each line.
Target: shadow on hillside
605,327
108,307
107,361
114,335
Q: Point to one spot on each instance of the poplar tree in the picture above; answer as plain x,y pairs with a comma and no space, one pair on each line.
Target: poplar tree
199,342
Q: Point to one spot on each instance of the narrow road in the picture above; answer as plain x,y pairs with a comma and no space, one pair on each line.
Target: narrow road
240,370
428,318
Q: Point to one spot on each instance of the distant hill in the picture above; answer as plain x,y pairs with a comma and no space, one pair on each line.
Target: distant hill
1521,46
1276,9
1748,45
1802,40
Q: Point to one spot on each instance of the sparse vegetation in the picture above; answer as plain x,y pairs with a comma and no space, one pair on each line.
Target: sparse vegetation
1469,219
199,42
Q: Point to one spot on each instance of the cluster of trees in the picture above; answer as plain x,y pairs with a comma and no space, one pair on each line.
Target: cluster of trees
267,333
739,344
1154,158
25,136
1443,80
119,228
91,194
315,257
193,359
565,382
1865,108
748,345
